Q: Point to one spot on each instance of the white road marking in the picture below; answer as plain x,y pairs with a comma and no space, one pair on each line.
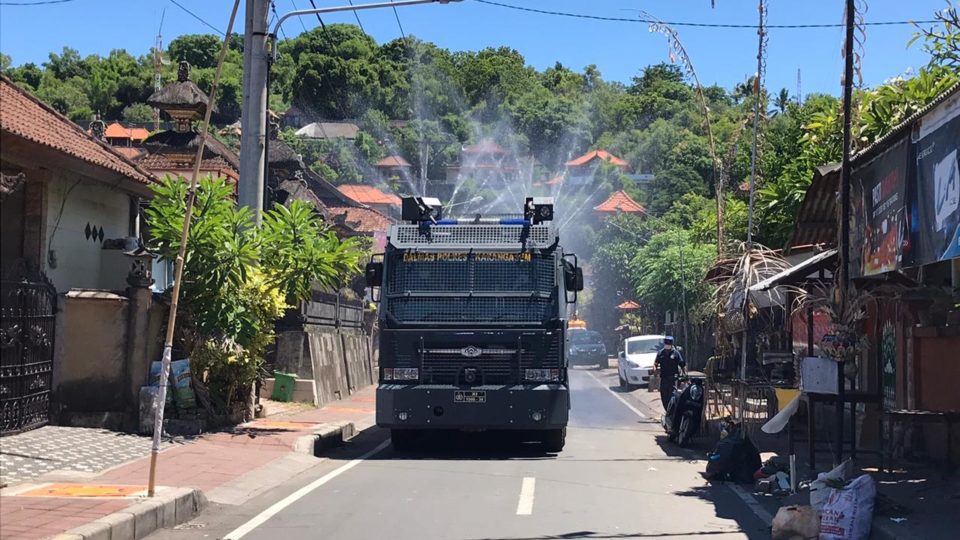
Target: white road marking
752,502
525,504
616,395
262,517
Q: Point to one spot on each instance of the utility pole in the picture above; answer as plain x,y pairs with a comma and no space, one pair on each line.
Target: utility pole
844,240
254,114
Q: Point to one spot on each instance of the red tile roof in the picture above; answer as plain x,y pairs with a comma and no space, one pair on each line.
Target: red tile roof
392,161
366,220
620,202
117,131
368,194
486,146
25,116
130,152
597,154
629,305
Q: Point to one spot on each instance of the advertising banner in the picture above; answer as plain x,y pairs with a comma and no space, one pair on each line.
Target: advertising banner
878,225
935,223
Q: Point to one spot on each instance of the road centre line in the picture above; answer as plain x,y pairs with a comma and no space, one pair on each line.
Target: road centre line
276,508
525,504
616,395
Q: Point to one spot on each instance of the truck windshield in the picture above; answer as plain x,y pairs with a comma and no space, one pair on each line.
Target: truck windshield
457,287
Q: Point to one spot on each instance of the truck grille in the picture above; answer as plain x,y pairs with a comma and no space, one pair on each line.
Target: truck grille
449,369
495,364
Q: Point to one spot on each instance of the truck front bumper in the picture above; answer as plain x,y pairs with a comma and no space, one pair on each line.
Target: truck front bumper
544,406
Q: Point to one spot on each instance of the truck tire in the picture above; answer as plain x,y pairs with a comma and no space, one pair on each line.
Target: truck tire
605,363
554,440
404,440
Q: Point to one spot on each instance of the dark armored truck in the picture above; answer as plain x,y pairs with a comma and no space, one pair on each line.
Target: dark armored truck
472,316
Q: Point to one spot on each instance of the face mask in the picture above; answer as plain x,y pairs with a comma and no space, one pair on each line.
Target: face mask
668,346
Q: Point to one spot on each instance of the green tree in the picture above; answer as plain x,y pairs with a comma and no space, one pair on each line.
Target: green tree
27,74
201,50
67,65
137,113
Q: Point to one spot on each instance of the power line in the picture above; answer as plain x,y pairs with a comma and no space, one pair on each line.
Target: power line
397,15
692,24
273,8
40,3
357,15
295,8
197,17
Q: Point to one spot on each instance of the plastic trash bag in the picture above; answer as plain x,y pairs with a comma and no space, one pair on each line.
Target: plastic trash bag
819,488
848,512
795,523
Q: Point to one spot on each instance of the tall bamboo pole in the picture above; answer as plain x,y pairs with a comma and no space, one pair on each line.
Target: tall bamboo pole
844,240
178,264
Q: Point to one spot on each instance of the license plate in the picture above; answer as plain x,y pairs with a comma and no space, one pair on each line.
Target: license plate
469,396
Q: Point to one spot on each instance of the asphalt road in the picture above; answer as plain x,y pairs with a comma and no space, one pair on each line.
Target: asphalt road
616,478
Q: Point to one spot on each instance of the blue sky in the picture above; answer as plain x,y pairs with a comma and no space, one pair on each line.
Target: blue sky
619,49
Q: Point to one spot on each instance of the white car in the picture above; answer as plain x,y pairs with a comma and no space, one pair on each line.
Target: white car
635,363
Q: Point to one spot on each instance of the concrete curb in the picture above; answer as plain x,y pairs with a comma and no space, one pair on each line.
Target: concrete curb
168,509
327,436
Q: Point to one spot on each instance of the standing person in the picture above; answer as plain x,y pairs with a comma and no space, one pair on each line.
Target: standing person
669,363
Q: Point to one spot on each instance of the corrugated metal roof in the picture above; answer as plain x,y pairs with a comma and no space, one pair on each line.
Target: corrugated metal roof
816,221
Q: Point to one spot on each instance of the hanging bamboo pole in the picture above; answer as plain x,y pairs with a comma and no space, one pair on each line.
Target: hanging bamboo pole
178,264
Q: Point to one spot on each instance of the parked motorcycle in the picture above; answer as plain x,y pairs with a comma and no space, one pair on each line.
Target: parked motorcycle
684,413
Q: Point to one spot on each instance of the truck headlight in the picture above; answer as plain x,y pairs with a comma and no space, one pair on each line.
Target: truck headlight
542,375
401,374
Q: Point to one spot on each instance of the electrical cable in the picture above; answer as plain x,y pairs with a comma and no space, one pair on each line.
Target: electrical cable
295,8
397,15
357,15
692,24
40,3
197,17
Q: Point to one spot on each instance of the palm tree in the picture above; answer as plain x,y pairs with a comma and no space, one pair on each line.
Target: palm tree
781,102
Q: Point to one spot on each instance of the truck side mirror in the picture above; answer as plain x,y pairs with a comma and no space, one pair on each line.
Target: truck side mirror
578,279
374,273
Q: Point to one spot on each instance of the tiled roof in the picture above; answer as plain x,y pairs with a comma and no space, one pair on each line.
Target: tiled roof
161,164
629,305
129,152
486,146
620,202
366,220
368,194
392,161
596,154
25,116
117,131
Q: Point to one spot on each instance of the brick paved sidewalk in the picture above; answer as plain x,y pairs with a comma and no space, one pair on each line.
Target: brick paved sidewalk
214,463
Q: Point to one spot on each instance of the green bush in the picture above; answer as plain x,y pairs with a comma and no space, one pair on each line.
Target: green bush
238,279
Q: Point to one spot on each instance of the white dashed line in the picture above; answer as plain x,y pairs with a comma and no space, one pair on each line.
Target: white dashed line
525,504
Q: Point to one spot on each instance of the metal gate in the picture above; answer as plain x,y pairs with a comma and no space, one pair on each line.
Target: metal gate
27,324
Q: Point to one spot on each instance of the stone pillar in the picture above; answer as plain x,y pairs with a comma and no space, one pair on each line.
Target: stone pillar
137,366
